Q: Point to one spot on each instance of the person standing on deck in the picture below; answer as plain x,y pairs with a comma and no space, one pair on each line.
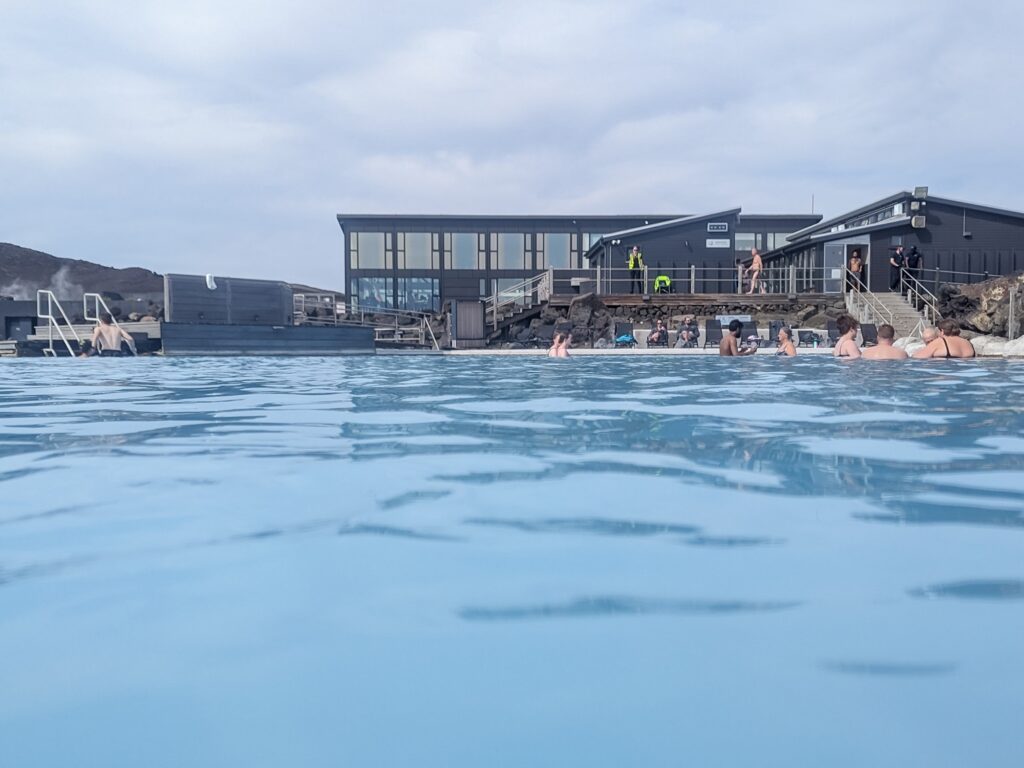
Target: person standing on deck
856,267
635,262
754,269
896,265
914,262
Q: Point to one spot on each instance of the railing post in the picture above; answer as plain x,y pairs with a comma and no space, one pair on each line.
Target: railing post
792,278
494,304
739,278
693,278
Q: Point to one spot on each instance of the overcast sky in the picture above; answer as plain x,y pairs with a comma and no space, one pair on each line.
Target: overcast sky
204,136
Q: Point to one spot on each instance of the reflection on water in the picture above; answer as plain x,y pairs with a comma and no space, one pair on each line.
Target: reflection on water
384,561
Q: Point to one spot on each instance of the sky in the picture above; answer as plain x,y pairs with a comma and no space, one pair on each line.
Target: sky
201,136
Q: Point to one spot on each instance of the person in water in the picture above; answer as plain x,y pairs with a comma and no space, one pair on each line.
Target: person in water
786,346
107,337
929,334
884,350
847,344
729,345
560,345
949,343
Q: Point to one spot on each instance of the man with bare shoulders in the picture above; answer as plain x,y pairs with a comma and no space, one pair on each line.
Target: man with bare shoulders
949,343
107,337
729,345
884,350
929,334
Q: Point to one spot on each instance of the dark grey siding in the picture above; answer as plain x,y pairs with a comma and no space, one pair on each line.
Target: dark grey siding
17,319
234,301
265,340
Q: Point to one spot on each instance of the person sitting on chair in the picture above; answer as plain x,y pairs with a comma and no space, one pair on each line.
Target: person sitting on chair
689,333
659,336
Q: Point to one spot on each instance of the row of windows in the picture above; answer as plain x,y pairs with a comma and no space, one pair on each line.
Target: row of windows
416,293
467,250
768,241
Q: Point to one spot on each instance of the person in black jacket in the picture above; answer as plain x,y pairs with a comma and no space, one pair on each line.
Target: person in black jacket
896,264
914,262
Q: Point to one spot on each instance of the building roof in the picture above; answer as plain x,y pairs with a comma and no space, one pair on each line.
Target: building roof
684,221
829,223
573,218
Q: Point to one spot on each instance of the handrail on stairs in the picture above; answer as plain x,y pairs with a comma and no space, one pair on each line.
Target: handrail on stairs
918,295
523,292
52,322
864,303
94,317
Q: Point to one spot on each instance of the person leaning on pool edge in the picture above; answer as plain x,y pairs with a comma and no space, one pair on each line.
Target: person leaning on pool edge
847,344
728,346
949,343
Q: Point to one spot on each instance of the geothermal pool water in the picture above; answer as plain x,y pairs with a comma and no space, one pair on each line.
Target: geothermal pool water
511,561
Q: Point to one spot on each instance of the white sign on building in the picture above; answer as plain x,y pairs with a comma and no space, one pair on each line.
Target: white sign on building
718,242
718,226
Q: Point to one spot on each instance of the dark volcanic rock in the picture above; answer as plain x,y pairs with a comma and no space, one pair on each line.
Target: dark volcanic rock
984,307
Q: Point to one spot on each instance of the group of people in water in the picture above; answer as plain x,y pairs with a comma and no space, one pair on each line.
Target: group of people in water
943,341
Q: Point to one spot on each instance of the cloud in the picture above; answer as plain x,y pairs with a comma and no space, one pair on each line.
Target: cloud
225,137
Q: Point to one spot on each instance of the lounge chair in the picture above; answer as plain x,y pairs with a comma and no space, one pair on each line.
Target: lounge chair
624,335
833,332
712,333
750,329
806,338
869,334
773,332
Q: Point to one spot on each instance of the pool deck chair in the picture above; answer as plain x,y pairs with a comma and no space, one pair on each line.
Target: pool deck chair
869,334
712,333
750,329
805,338
833,332
622,330
773,332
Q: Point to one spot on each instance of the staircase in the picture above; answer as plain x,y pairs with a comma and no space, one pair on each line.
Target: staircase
891,308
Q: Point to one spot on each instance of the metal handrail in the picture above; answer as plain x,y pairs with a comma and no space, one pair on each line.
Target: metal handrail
914,288
865,300
95,317
542,284
52,323
344,314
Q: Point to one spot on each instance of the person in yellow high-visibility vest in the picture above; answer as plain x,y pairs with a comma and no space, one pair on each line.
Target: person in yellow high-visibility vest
635,261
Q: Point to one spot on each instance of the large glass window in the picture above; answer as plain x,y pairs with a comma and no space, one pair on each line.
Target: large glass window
371,292
368,251
512,251
776,240
418,250
553,250
465,250
418,293
747,240
589,238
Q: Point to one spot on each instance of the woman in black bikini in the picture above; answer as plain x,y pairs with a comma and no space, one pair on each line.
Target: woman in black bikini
949,344
786,348
847,344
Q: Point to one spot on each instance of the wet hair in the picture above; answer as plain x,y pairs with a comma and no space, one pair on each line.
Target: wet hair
105,318
558,338
735,325
949,327
786,330
845,323
886,331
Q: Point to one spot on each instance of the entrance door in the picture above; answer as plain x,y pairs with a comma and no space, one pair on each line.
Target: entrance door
835,268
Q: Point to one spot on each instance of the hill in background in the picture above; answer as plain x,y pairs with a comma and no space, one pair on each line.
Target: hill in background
24,271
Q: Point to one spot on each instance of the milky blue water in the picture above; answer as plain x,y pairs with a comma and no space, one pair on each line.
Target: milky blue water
652,561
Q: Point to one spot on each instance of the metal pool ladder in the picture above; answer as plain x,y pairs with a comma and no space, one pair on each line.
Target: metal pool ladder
52,322
97,303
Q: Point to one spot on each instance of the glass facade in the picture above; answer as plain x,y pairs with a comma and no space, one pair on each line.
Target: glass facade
418,250
747,240
367,251
421,294
554,250
371,292
512,251
465,250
